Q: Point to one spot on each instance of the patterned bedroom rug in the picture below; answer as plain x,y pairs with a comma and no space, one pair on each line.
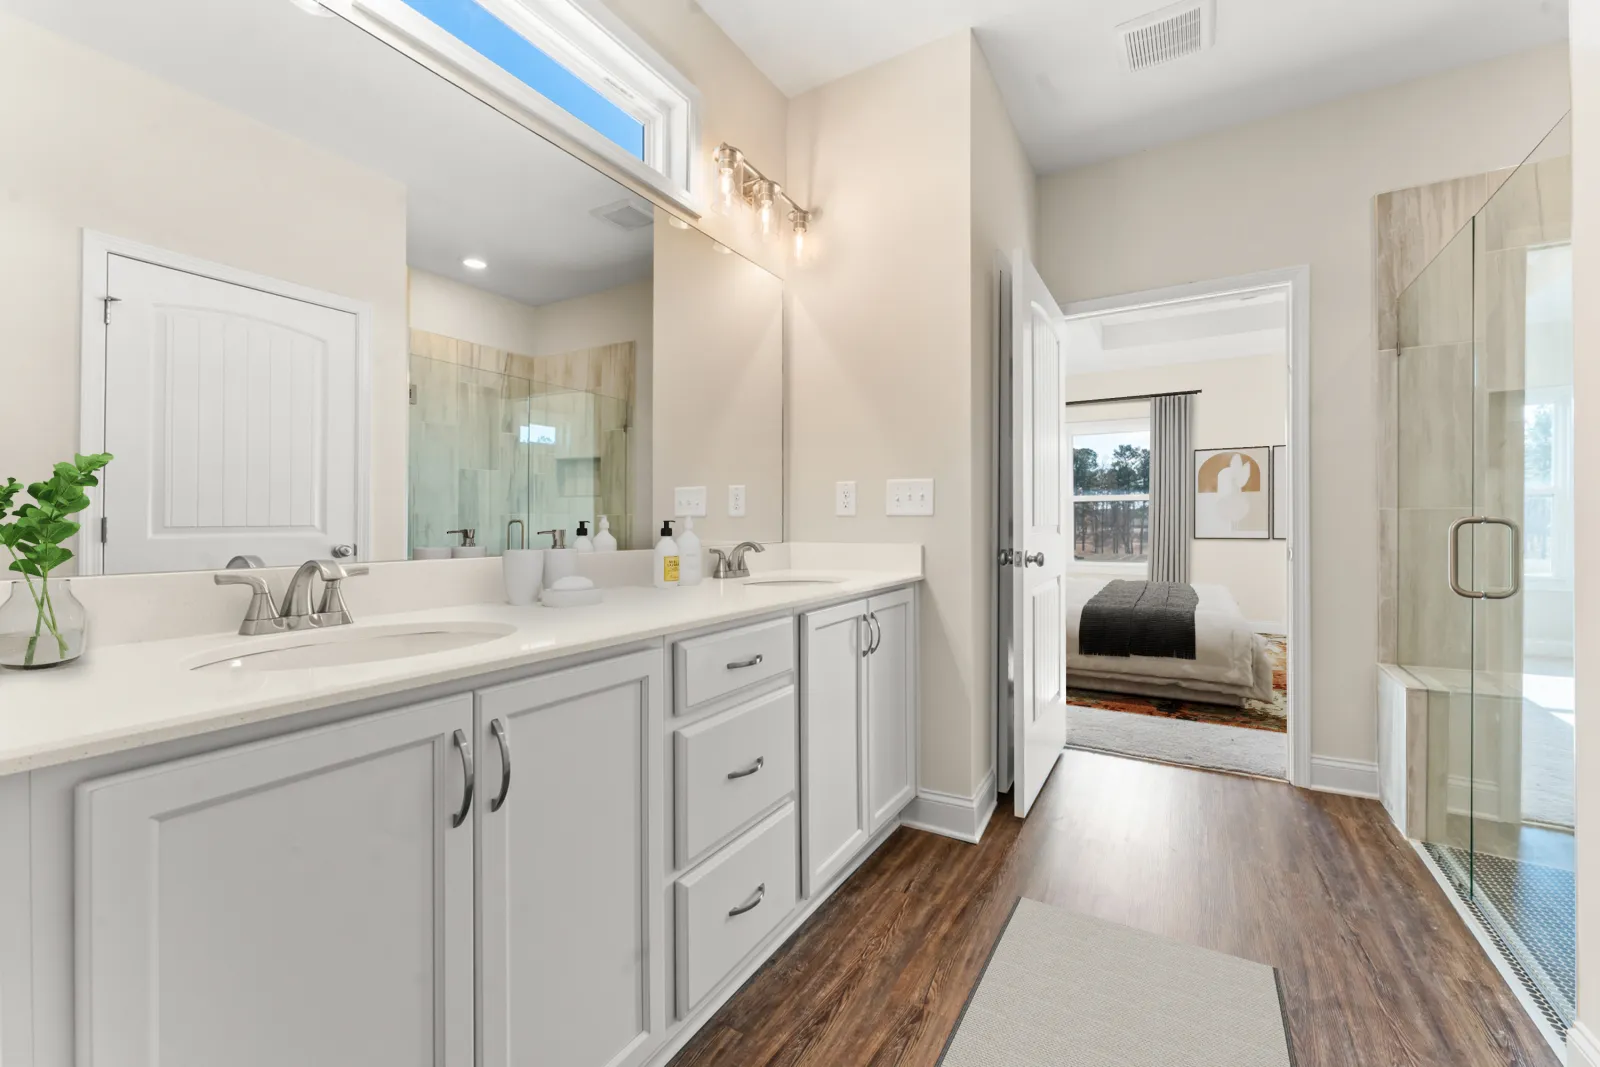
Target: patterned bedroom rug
1255,715
1065,989
1264,753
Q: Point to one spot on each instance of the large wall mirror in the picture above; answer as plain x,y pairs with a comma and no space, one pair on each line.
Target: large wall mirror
320,301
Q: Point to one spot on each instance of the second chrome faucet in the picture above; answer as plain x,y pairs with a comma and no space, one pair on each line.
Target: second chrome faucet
263,616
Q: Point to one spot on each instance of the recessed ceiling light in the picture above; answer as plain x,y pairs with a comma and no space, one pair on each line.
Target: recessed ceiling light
473,263
311,7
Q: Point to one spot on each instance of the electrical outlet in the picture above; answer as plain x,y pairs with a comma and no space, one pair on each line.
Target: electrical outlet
736,501
689,500
844,498
908,496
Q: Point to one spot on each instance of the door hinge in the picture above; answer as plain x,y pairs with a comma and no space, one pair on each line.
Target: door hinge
107,301
102,531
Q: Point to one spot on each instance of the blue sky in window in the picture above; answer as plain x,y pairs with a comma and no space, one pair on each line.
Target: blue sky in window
515,54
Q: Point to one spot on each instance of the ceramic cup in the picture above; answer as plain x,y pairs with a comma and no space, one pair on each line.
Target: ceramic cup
523,569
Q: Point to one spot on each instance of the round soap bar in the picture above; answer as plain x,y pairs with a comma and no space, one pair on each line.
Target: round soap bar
576,581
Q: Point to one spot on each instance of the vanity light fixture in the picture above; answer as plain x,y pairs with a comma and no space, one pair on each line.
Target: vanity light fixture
739,180
474,263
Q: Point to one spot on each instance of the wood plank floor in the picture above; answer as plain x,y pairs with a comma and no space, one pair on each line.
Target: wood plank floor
1378,971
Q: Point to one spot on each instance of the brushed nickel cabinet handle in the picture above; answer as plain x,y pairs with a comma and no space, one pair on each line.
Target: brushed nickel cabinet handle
753,661
498,729
761,761
761,894
464,748
877,634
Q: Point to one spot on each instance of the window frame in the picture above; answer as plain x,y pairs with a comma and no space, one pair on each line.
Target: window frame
1559,492
1071,431
594,45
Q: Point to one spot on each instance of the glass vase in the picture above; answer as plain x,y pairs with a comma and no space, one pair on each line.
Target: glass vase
41,624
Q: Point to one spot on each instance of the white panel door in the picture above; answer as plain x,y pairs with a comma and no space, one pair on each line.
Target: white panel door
232,413
1039,548
891,705
832,741
572,843
305,900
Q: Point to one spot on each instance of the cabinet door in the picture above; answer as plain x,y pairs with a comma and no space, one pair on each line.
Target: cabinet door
573,937
832,741
891,704
302,900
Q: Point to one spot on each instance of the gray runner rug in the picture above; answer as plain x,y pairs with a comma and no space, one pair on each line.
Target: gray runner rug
1065,990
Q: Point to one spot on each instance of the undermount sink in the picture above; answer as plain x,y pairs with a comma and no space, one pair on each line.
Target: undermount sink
346,645
793,579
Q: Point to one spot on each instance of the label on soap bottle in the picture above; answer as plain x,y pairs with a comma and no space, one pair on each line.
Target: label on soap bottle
669,568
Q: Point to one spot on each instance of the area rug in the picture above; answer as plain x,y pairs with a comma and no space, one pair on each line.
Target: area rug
1192,744
1065,990
1256,714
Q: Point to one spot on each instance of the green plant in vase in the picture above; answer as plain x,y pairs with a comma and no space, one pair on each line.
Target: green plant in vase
33,533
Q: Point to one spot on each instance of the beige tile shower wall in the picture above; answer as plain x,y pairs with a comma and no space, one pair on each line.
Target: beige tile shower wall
191,177
1298,189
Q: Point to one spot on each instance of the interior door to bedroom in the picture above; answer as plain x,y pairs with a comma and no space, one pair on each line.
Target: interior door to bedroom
1034,531
232,414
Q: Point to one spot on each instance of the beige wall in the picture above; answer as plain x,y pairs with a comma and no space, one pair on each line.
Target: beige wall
445,306
191,177
1242,402
920,182
1297,189
1586,367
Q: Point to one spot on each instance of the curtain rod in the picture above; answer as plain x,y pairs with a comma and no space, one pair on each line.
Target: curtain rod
1139,396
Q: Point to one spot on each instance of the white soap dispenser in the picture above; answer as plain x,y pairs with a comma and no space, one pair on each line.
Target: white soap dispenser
666,559
604,539
582,543
690,567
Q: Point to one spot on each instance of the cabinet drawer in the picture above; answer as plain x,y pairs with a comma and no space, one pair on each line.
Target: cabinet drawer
730,768
730,904
718,664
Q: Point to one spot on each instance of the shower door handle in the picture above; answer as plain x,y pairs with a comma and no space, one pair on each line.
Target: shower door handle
1453,558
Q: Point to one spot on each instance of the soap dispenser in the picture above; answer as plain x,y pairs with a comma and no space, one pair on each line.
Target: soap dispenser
469,547
559,560
666,559
604,539
581,543
690,566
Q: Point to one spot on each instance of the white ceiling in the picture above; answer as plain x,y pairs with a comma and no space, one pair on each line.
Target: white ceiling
1195,331
1060,69
477,183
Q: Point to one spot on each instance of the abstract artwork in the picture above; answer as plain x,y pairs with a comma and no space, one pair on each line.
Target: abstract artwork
1233,493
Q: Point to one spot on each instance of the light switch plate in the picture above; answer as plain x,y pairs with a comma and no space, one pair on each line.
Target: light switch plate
689,500
844,498
736,501
908,496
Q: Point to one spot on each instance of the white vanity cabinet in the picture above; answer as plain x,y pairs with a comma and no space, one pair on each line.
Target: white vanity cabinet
301,900
571,843
857,727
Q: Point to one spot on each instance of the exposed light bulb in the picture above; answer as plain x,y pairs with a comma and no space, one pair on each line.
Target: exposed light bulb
801,221
766,207
728,161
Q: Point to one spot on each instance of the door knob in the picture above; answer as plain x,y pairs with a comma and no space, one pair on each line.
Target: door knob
1007,557
343,551
1033,559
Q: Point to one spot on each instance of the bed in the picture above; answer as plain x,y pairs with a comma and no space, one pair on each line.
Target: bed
1231,663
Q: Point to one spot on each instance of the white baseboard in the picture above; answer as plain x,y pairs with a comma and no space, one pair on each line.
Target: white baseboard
1583,1048
963,818
1354,777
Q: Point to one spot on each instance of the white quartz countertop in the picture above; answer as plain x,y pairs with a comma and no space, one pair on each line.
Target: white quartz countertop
123,696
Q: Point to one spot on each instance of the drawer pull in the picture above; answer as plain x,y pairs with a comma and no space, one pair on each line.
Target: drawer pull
753,661
761,894
761,761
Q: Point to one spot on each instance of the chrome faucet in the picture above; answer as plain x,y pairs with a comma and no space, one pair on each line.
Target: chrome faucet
263,616
732,564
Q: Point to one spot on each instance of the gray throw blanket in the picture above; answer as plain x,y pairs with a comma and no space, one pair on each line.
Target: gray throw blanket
1139,619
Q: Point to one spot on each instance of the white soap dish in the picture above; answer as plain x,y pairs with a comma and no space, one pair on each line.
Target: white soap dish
572,592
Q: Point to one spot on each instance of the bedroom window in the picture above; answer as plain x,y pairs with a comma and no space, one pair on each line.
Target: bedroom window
1111,494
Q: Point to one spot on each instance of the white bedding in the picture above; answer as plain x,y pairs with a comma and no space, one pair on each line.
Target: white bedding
1231,661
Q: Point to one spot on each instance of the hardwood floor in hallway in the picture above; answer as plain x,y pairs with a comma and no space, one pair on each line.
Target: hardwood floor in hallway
1378,970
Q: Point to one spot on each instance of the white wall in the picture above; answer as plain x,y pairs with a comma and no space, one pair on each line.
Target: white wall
1586,433
615,316
1242,402
1297,189
103,146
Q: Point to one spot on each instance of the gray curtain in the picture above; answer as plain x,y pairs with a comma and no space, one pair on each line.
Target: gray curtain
1171,491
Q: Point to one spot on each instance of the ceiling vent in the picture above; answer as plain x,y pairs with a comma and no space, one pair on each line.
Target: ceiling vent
626,214
1169,34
